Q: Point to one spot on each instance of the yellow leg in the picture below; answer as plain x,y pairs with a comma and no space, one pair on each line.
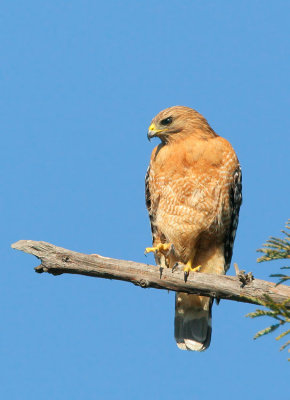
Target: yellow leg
161,247
164,252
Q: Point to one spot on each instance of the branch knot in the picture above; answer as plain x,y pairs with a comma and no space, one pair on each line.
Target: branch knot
143,283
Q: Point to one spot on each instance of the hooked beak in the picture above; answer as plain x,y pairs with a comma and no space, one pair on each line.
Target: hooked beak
153,132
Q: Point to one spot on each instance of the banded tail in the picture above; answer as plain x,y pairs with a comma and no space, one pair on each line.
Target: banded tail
192,324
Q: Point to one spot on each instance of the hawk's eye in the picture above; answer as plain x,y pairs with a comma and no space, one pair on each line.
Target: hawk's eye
166,121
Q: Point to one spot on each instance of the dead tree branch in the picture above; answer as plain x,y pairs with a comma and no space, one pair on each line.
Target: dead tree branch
56,260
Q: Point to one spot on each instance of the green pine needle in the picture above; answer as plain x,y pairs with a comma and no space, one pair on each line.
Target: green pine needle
275,249
283,334
261,313
284,346
266,331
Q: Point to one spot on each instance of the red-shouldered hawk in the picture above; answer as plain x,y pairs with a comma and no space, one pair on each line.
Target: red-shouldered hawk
193,197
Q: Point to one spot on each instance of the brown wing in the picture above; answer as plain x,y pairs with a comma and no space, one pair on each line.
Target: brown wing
148,203
235,204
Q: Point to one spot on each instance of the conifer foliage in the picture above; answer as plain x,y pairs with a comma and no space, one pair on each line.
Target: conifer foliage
276,249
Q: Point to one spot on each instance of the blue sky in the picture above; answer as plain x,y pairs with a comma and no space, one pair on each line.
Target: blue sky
80,83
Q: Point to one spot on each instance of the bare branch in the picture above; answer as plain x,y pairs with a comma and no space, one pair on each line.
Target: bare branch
56,260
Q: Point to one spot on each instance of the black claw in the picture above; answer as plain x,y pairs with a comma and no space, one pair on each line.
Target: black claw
186,276
175,266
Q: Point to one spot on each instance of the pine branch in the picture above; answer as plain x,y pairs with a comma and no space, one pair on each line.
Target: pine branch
275,249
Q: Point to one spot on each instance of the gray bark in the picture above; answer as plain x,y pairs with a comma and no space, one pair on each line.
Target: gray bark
56,260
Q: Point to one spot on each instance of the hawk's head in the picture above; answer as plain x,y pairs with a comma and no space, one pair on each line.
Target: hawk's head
178,121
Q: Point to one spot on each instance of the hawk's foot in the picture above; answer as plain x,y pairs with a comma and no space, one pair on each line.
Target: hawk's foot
163,248
188,268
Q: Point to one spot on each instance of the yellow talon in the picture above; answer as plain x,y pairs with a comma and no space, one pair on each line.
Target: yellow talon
188,268
160,247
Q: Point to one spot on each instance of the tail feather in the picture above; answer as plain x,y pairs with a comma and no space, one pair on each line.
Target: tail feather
192,325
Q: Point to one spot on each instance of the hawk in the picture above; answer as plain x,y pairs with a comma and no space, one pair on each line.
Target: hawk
193,191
